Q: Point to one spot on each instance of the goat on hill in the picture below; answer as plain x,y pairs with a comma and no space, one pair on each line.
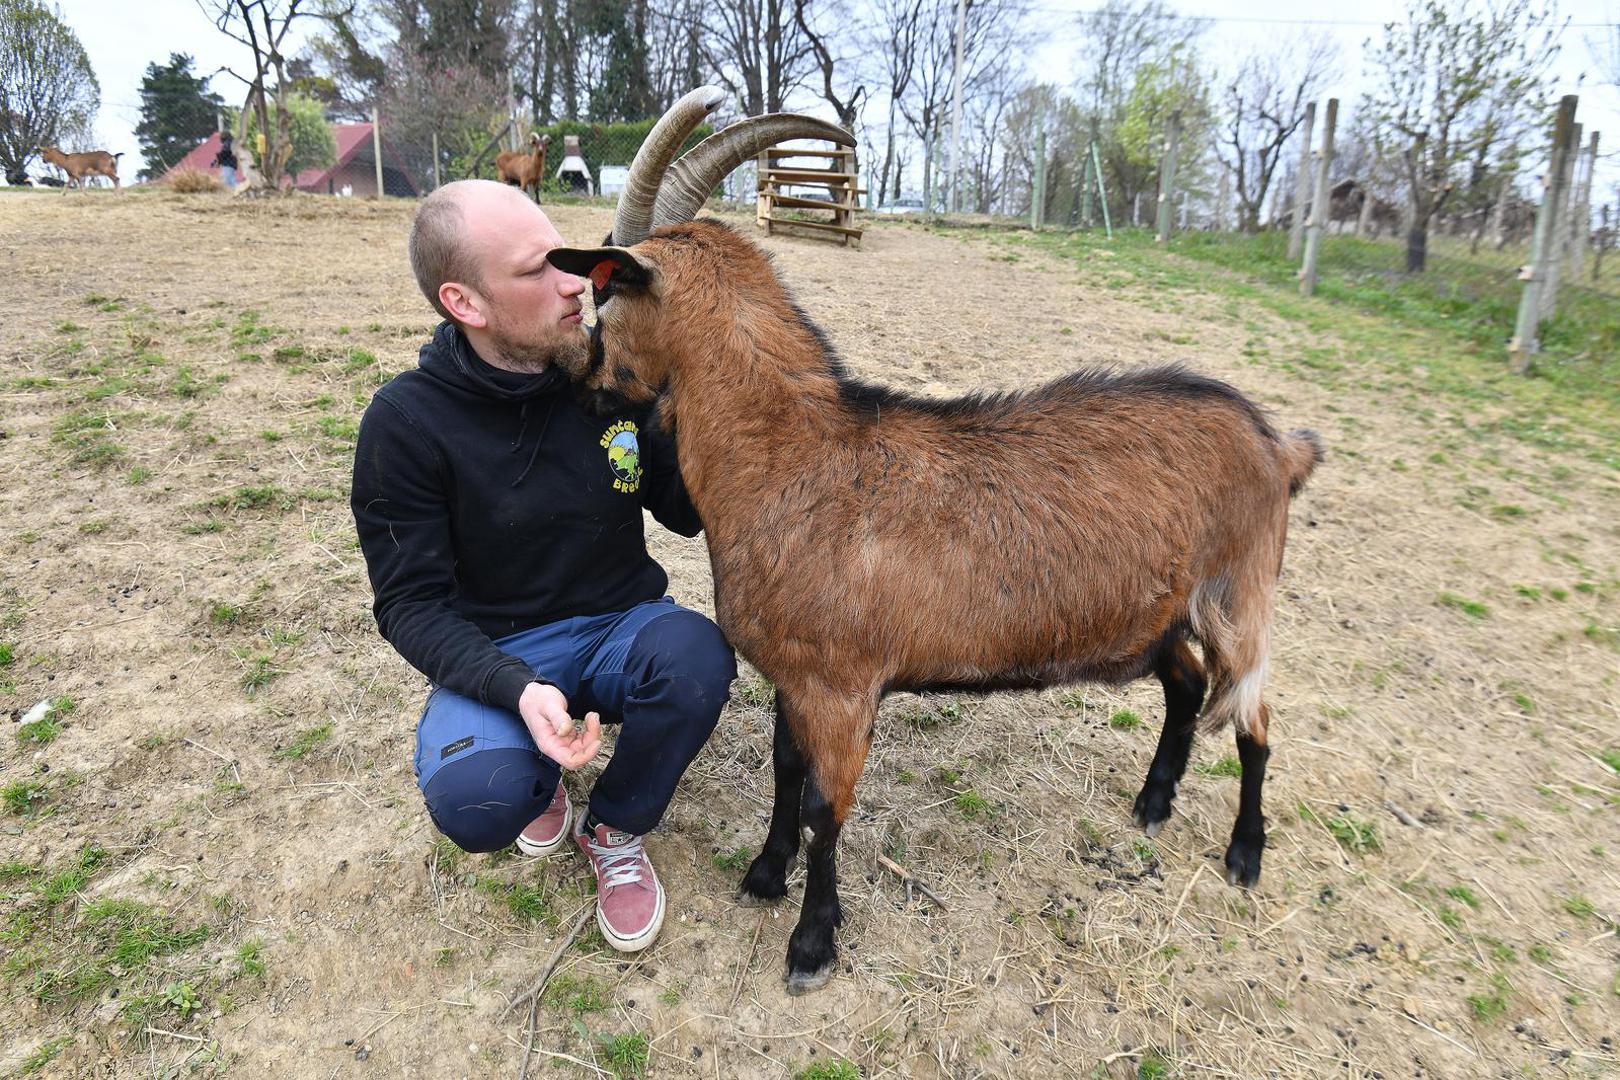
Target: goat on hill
78,166
864,541
524,169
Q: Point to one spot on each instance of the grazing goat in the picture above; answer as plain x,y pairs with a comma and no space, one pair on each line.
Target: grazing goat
865,541
524,169
78,166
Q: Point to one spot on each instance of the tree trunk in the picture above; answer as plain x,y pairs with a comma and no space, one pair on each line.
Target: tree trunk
1417,246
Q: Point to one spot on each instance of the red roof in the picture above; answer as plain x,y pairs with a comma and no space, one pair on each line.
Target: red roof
202,157
351,140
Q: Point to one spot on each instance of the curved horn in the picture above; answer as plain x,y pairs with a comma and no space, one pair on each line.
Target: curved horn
688,184
633,219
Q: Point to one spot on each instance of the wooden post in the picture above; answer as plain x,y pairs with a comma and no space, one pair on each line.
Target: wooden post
437,182
1167,179
1558,237
1523,345
1364,217
1319,202
1086,219
376,148
1296,227
1605,240
1037,195
1580,231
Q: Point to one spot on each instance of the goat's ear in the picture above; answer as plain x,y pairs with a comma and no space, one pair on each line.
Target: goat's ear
602,266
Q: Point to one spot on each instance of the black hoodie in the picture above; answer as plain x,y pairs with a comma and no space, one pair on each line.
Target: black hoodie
489,503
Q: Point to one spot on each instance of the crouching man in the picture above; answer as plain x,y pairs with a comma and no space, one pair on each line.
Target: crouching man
502,530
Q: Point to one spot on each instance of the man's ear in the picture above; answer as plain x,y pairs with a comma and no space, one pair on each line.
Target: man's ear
604,265
464,305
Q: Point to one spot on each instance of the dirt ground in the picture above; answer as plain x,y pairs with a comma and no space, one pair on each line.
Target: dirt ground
181,378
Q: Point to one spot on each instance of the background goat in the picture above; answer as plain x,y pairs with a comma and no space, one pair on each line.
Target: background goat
78,166
524,168
864,541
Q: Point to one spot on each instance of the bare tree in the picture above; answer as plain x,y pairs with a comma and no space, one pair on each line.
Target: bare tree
895,38
992,33
1455,84
48,91
1265,104
757,51
263,25
821,48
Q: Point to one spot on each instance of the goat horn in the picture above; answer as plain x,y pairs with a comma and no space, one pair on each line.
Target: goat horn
690,181
633,219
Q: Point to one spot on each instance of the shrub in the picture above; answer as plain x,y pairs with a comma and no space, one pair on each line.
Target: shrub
193,181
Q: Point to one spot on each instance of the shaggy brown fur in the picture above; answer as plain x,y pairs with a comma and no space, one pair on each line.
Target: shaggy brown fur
78,166
523,168
864,541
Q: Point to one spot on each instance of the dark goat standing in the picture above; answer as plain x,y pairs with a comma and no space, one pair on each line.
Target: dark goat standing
864,541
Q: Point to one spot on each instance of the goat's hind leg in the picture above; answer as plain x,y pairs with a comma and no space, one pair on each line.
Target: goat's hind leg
1182,676
1249,831
767,876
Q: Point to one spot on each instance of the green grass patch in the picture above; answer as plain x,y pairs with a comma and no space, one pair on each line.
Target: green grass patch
87,436
1465,894
23,798
43,1054
1579,906
1474,609
626,1056
305,743
1125,720
734,861
1492,1005
1226,766
828,1069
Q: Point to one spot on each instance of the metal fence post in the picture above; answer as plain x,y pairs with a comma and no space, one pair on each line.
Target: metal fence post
1319,202
1037,195
376,147
1167,180
1296,227
1523,344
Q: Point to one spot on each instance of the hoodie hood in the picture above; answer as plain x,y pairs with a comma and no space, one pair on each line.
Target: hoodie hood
451,359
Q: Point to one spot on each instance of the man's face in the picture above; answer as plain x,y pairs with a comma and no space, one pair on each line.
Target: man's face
532,309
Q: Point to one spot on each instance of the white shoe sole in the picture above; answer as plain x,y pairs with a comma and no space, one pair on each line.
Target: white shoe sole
550,847
617,941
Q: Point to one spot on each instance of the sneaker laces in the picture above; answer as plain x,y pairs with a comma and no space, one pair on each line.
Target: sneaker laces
618,865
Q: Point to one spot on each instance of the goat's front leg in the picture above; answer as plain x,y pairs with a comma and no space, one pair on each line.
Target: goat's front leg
835,757
767,877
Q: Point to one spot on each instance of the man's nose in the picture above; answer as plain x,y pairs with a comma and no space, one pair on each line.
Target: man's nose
571,285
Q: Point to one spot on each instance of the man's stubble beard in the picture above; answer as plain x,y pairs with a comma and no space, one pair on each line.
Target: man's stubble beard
567,354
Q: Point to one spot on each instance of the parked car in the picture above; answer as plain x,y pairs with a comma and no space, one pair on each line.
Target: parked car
901,206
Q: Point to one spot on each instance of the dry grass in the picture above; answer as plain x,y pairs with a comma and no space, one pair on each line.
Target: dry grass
194,182
179,560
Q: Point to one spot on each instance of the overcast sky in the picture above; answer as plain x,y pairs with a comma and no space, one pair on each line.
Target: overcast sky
122,37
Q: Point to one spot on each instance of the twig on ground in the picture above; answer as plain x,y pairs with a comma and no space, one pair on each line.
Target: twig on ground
910,879
1404,817
545,972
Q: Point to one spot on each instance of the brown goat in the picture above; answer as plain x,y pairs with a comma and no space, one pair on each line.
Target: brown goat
522,168
78,166
864,541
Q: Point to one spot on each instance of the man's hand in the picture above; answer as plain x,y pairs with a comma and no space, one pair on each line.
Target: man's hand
545,711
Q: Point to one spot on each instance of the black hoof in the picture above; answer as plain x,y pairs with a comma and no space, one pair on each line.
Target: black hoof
765,881
810,963
1243,861
1153,808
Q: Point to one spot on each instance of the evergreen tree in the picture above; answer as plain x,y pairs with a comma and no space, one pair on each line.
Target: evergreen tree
177,113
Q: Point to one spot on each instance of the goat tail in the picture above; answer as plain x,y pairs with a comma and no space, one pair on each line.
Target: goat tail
1231,618
1302,453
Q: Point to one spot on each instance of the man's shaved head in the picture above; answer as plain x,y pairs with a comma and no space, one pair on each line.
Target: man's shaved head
453,230
478,252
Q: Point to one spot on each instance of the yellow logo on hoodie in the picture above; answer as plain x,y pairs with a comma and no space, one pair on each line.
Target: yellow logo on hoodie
624,455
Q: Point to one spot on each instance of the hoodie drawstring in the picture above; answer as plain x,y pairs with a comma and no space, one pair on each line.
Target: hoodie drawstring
551,405
523,415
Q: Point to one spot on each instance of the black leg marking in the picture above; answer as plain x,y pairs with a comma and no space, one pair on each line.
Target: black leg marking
1249,833
1183,680
811,950
767,877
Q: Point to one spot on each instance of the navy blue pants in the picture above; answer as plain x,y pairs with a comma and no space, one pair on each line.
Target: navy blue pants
661,671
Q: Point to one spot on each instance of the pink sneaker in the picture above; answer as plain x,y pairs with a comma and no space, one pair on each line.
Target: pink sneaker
548,833
629,899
